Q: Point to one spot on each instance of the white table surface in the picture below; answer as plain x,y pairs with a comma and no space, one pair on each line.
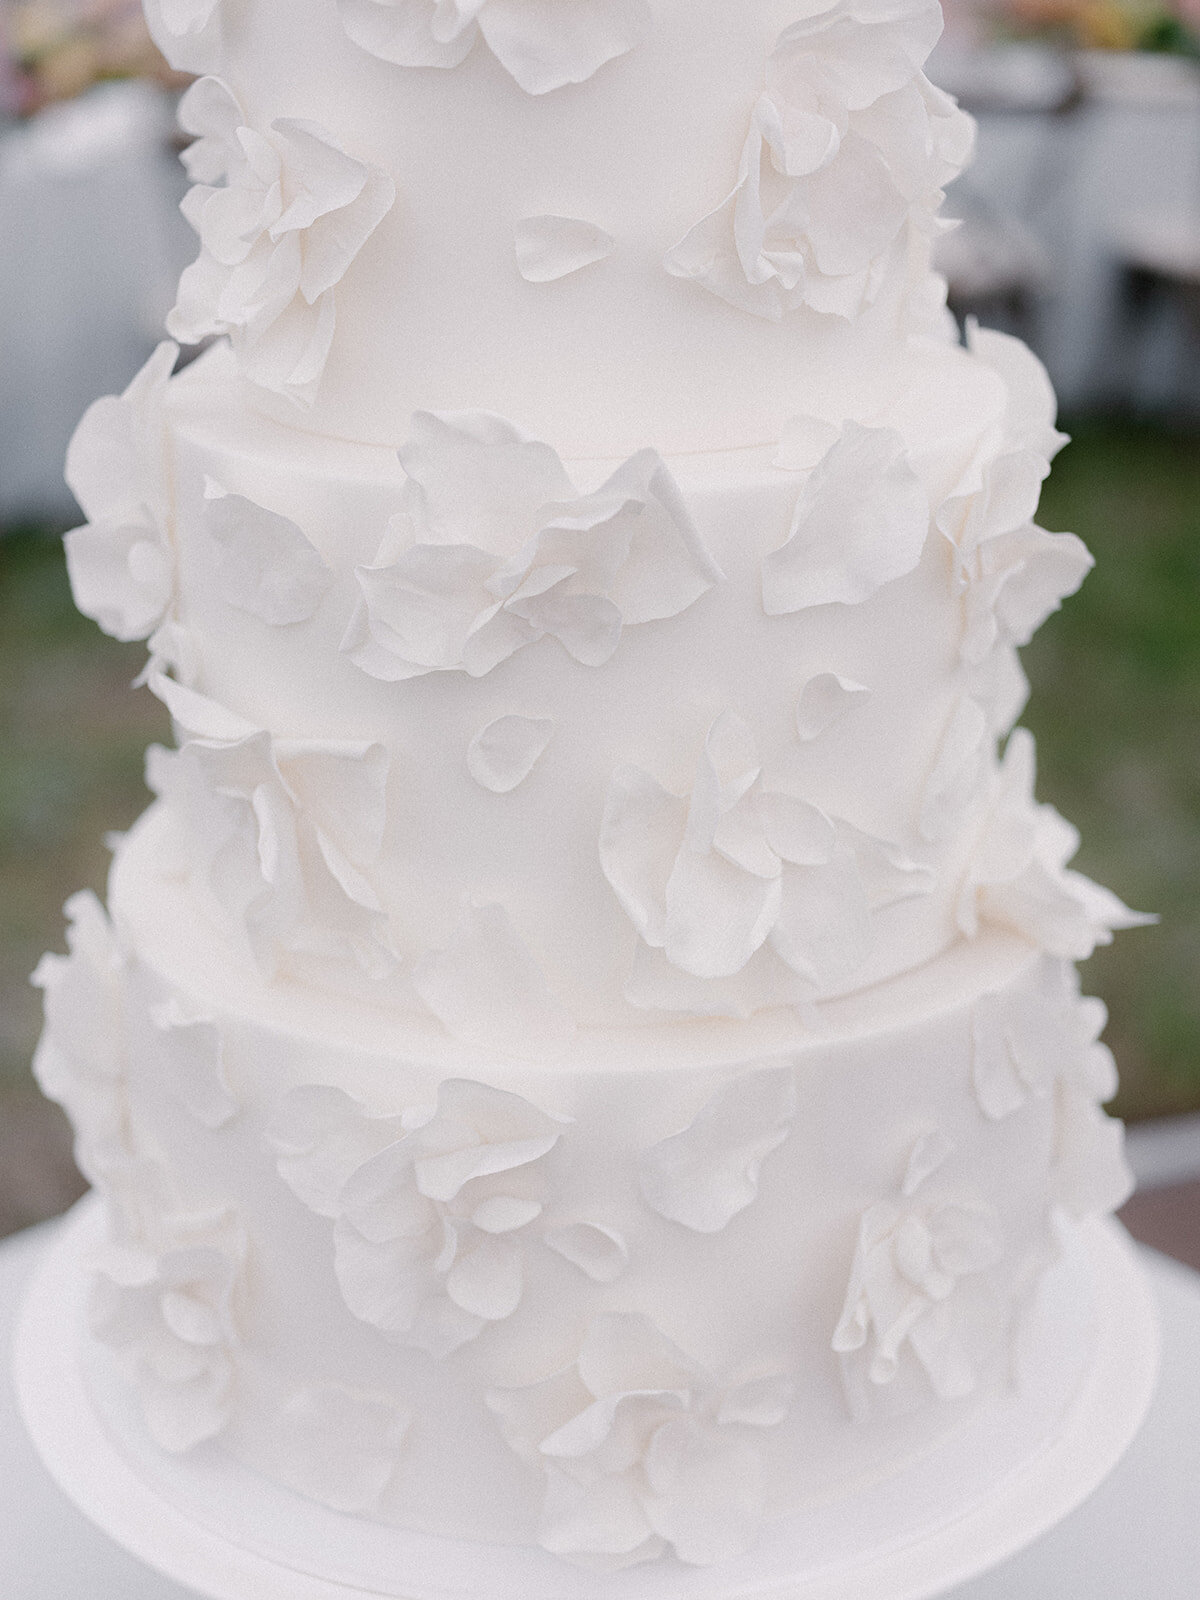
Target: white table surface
1138,1538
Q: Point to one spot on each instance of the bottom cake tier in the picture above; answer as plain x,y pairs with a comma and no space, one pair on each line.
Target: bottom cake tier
689,1283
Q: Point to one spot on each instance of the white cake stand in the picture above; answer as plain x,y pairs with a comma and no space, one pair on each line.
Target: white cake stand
216,1527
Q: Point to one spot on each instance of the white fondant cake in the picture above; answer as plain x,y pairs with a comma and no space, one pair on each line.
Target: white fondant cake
585,1052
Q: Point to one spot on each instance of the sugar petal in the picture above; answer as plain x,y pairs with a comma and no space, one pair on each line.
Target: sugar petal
861,522
551,247
704,1176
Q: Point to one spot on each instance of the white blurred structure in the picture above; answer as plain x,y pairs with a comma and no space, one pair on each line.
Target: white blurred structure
91,246
1082,162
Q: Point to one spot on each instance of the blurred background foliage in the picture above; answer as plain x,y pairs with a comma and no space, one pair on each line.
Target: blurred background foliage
1116,711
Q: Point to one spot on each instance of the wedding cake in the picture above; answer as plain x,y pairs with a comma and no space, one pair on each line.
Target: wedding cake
583,1056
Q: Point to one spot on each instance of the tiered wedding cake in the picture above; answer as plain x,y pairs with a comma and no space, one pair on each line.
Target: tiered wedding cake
584,1050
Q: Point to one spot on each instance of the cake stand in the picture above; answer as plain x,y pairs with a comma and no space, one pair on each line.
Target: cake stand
226,1533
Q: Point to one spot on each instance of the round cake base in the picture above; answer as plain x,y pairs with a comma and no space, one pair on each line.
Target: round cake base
208,1523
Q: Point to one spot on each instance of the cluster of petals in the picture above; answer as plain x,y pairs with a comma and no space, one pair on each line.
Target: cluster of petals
122,561
429,1208
860,522
91,1008
919,1288
496,548
740,874
1044,1044
849,147
542,46
81,1057
1018,876
287,829
1012,574
165,1297
643,1452
280,216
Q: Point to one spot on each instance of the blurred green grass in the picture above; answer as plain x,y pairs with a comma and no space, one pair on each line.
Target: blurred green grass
1115,707
72,737
1116,711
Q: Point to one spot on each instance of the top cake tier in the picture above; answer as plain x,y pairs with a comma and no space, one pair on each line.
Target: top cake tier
616,222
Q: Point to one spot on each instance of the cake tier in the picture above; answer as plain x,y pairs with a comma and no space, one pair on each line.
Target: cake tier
466,825
525,747
713,229
638,1303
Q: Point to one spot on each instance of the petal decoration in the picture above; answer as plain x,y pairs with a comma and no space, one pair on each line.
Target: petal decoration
321,1137
187,32
542,50
281,217
173,1320
824,700
286,831
841,166
81,1057
599,1252
704,1176
919,1273
496,549
269,567
642,1451
549,247
861,522
432,1209
403,31
121,563
1018,877
754,891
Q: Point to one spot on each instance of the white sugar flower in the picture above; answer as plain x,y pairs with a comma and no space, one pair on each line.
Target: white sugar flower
81,1059
496,548
1044,1044
742,882
1018,876
166,1299
281,216
861,521
431,1212
920,1289
1012,573
542,46
644,1452
849,148
288,829
122,561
